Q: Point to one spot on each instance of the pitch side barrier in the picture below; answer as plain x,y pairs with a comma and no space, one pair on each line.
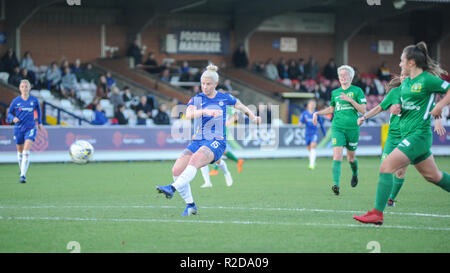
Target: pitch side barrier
124,143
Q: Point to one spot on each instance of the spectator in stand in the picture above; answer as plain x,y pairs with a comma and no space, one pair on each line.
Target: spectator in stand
77,70
301,69
357,80
258,67
293,73
196,77
271,70
110,81
135,52
64,64
165,75
240,59
115,96
88,74
312,68
9,61
143,111
93,104
26,75
102,88
162,118
281,67
27,62
151,65
330,70
127,97
195,89
225,86
15,77
383,72
3,112
69,84
99,116
119,115
184,72
53,77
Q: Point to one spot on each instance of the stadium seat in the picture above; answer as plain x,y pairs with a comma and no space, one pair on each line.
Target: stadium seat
35,93
88,114
46,94
86,97
67,105
105,103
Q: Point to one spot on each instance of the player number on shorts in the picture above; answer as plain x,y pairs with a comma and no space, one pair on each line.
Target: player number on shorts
374,246
215,144
74,246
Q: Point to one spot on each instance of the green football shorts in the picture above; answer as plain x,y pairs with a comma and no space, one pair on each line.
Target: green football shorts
391,143
345,137
416,147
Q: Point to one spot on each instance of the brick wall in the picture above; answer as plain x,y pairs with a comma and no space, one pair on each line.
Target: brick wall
366,60
445,54
49,42
321,46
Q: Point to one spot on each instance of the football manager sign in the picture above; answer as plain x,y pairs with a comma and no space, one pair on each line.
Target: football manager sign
203,42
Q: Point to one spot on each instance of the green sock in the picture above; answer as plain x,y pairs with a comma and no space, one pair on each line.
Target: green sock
398,183
231,156
354,166
336,171
215,167
445,181
384,188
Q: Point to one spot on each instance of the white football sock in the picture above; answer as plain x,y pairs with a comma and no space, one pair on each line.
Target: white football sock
205,174
312,157
186,193
19,159
185,177
223,166
25,163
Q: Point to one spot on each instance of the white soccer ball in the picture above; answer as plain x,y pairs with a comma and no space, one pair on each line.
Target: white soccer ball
81,151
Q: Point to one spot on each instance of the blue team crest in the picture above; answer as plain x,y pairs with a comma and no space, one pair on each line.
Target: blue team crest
220,103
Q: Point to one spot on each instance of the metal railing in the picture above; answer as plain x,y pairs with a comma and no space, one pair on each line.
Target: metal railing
59,111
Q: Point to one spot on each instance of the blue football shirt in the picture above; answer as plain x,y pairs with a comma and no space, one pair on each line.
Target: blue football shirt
307,119
208,127
24,111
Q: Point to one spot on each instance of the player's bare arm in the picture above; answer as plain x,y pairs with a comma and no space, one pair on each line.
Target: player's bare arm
241,107
326,111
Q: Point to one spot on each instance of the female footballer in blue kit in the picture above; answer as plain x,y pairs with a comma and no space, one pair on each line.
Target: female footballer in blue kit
311,133
208,109
21,113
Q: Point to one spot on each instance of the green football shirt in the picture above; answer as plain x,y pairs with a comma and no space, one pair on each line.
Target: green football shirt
393,97
417,97
345,115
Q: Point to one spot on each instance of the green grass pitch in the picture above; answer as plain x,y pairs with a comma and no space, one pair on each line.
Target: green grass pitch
274,205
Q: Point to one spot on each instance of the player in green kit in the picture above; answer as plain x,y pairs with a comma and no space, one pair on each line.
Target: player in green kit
345,104
417,96
392,102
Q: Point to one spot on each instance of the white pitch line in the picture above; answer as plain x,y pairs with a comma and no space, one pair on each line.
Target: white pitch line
215,207
153,220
